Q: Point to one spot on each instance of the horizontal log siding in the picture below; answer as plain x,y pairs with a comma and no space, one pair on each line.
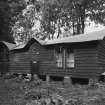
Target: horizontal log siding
101,56
86,61
47,61
86,64
19,63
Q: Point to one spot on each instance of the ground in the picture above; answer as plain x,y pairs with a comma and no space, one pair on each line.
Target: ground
16,91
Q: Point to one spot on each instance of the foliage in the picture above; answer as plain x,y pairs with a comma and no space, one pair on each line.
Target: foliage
27,23
52,93
96,10
8,9
4,21
72,13
57,18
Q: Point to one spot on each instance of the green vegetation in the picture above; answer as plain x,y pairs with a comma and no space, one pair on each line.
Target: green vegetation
24,19
56,18
19,92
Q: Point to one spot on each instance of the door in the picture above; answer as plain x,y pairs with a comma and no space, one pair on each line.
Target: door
35,67
4,58
4,67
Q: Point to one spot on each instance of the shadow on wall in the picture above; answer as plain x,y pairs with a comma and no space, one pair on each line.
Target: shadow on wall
52,78
82,81
57,78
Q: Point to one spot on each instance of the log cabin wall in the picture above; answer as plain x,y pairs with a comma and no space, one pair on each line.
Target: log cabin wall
88,52
101,56
86,59
48,62
45,57
86,64
4,58
21,60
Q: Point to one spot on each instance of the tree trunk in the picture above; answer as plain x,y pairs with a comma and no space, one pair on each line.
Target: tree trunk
82,20
78,26
58,28
73,28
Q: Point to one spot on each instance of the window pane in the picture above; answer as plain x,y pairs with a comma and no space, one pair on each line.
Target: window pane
59,64
59,58
70,59
70,64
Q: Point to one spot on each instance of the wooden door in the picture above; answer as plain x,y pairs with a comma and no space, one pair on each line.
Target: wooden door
4,58
35,67
4,67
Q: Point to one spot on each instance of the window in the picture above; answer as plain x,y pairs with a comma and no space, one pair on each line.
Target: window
59,57
64,58
70,59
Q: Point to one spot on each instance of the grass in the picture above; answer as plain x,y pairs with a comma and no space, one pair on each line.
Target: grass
17,92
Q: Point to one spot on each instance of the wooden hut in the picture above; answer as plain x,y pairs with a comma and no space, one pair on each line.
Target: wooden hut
25,57
79,56
5,48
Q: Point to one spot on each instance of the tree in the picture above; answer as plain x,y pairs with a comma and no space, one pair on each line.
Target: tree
94,9
73,13
8,9
4,21
57,18
27,24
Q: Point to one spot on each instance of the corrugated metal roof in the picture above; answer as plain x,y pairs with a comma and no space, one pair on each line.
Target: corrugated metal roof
98,35
9,45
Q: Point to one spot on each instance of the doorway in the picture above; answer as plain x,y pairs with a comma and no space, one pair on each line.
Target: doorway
34,67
